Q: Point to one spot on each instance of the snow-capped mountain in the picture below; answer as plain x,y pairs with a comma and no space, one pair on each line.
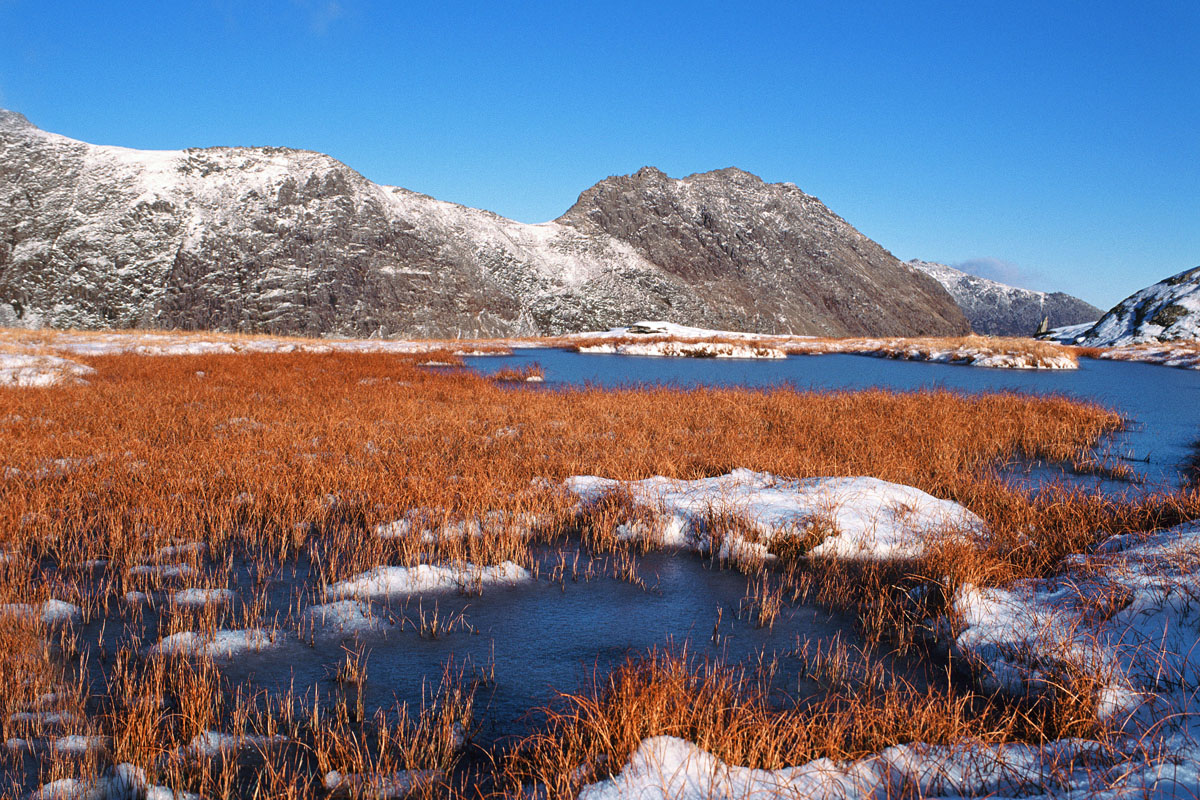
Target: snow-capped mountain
998,309
278,240
1168,311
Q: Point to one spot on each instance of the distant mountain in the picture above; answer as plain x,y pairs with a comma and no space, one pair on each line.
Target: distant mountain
271,239
1165,312
998,309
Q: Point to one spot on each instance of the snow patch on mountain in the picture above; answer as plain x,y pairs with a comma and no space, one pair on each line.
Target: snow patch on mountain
997,309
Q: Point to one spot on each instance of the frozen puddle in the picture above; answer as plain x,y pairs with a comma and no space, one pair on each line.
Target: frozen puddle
844,517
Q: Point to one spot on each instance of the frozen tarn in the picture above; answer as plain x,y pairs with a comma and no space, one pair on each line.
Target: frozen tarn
121,782
859,517
666,768
1126,615
27,369
345,616
203,597
51,612
395,581
220,643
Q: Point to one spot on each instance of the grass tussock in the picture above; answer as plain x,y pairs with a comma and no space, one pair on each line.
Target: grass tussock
857,708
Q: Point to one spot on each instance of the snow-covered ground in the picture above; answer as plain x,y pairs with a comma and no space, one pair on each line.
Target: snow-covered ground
846,517
32,369
658,338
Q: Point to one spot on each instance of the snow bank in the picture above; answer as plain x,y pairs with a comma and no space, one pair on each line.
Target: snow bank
220,643
1126,615
392,581
671,348
862,517
28,369
1183,355
163,571
666,768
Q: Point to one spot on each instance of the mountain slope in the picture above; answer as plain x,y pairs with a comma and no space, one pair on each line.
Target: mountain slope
998,309
290,241
1165,312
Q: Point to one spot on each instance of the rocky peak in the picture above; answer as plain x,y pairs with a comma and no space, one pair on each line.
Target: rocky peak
11,120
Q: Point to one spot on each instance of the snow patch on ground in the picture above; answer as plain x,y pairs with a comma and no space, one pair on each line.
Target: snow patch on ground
51,612
1127,615
396,784
219,643
27,369
395,581
345,616
859,517
203,597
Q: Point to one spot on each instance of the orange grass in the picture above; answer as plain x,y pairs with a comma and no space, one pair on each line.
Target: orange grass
275,458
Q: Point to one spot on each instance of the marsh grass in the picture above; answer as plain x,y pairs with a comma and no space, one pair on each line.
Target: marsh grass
163,474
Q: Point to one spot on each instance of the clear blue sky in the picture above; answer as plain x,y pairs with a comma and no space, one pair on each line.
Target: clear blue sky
1055,143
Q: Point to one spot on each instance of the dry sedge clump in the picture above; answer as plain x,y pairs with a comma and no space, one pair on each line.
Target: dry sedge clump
166,476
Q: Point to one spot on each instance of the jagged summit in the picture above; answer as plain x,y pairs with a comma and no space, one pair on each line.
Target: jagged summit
279,240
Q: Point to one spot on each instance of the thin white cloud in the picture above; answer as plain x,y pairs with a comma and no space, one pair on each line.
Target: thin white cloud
321,13
997,269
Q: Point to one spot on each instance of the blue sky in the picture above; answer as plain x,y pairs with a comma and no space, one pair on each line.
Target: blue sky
1054,144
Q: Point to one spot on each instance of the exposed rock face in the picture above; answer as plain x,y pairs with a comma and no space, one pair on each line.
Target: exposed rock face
998,309
290,241
764,257
1168,311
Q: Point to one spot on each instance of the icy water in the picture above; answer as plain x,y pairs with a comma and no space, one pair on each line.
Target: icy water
1161,403
522,643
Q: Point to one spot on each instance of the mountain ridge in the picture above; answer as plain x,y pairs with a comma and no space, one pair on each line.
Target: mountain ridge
998,309
280,240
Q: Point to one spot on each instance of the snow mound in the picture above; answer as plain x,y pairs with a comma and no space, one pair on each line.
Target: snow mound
858,517
121,782
666,768
345,616
203,597
51,612
393,581
1167,311
220,643
28,369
